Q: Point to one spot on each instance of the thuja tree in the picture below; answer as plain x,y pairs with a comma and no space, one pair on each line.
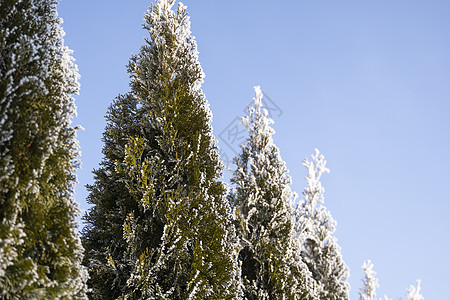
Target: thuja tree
370,282
414,292
40,252
315,227
178,237
102,236
262,209
370,285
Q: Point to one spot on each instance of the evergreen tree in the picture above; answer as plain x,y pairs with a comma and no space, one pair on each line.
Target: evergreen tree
315,227
414,292
40,252
262,208
105,247
178,237
368,291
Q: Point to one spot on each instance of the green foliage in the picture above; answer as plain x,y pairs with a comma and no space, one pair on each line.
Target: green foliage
39,246
102,237
159,227
179,234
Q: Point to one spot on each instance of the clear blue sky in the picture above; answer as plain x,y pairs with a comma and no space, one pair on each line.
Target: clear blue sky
366,82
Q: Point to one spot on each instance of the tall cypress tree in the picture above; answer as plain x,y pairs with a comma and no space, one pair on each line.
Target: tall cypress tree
178,236
262,204
370,285
370,282
315,227
414,292
102,236
40,252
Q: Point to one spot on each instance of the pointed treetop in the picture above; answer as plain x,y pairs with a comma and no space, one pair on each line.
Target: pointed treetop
258,122
316,167
258,96
165,4
414,293
368,291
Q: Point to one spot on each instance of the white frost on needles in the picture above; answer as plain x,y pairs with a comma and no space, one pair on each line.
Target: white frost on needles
314,228
368,291
414,293
262,211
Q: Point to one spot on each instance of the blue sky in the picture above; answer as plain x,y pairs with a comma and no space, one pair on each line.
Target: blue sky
366,82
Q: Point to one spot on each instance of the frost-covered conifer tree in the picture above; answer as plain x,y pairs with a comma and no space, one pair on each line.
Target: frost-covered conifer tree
40,252
368,291
178,238
370,285
315,227
105,247
414,292
262,208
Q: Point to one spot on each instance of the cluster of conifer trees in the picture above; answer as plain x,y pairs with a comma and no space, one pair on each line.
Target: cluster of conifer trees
162,224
